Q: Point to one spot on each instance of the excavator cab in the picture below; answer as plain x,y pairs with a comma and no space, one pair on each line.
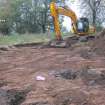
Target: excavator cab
82,26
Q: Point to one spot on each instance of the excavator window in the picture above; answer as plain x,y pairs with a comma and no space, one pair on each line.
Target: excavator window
82,25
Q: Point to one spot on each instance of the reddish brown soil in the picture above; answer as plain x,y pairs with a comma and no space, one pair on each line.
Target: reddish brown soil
19,68
98,45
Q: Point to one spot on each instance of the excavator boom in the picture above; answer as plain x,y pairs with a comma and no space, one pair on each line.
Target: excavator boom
55,11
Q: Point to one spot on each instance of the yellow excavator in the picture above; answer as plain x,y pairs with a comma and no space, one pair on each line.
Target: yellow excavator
80,26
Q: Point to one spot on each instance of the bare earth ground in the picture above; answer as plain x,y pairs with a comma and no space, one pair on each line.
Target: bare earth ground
73,76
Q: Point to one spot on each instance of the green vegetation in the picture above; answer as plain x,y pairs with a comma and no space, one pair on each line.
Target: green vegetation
22,16
28,38
21,39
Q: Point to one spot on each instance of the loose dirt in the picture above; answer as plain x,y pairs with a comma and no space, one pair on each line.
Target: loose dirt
73,76
98,45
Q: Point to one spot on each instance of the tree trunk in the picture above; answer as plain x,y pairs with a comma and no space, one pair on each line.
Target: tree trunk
94,13
43,28
94,18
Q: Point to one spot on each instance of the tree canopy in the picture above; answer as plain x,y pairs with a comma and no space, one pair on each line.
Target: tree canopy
23,15
94,10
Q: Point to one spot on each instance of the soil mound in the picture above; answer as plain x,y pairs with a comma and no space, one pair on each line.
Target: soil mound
98,45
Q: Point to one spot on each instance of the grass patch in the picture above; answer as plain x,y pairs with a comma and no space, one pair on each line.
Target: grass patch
28,38
21,39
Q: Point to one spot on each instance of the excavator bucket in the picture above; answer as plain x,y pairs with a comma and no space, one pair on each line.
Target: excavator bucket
59,44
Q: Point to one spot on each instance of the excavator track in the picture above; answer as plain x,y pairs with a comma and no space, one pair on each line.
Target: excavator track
59,44
64,43
67,42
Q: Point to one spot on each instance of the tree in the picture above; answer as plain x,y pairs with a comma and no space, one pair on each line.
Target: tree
41,6
24,15
5,17
32,15
95,9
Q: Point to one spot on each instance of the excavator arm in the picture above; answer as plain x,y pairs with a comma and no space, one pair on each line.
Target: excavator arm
55,12
70,14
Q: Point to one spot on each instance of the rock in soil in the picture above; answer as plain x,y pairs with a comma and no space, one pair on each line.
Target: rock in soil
67,74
